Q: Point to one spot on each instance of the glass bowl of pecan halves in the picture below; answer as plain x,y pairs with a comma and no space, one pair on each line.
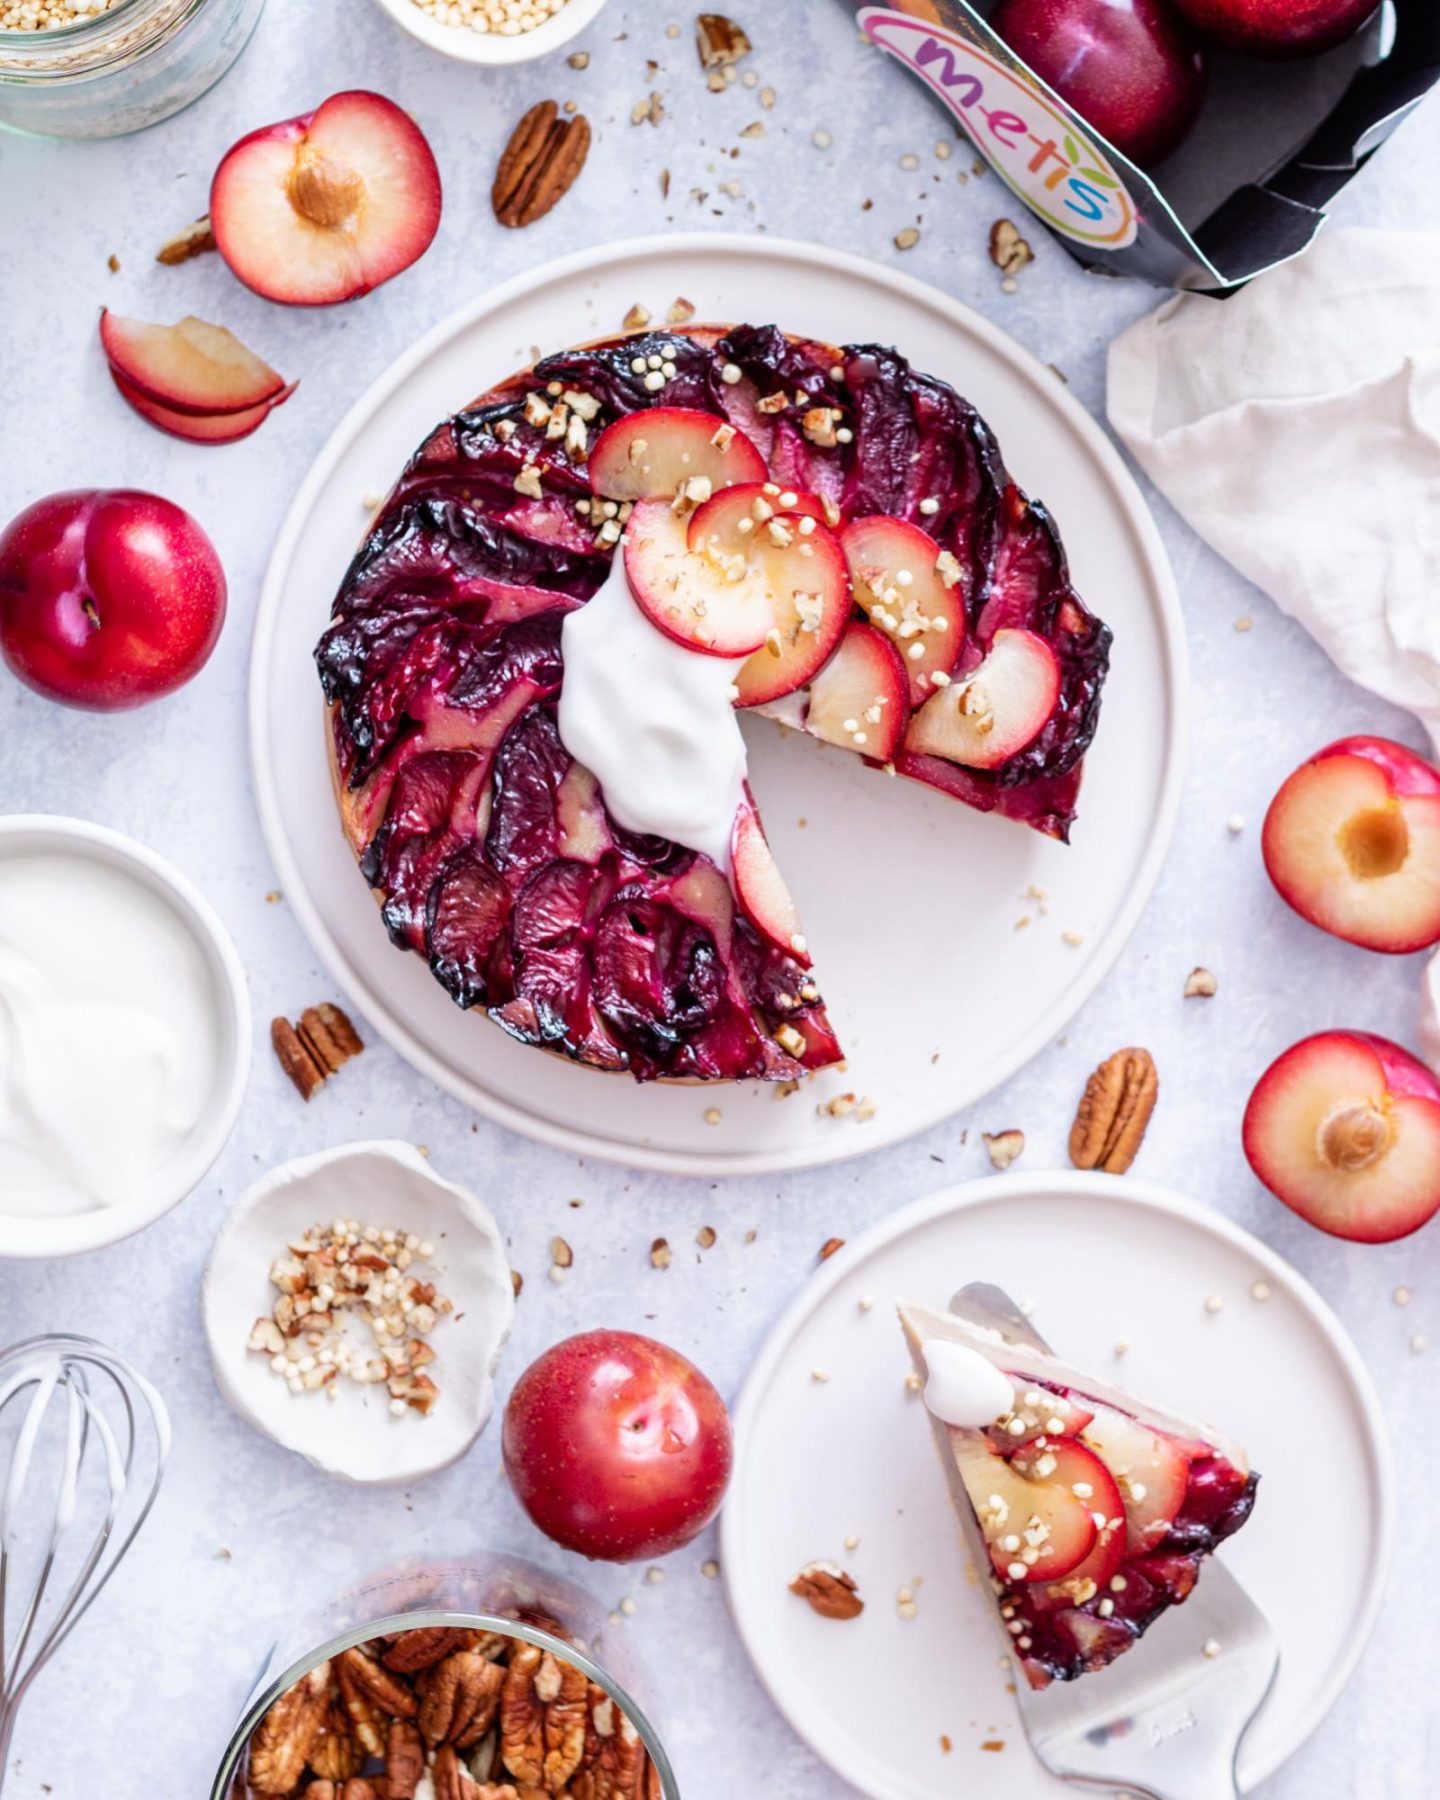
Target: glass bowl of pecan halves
473,1681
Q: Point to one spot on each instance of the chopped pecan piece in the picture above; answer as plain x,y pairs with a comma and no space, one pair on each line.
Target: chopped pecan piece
1008,250
194,240
543,1715
404,1760
281,1746
830,1591
1005,1147
720,41
296,1059
1114,1111
539,164
329,1036
416,1650
459,1699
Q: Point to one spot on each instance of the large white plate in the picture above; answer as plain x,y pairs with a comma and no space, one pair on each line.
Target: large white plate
1102,1260
909,899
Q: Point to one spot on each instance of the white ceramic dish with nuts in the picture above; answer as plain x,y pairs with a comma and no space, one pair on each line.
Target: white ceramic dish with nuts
124,1036
493,47
348,1426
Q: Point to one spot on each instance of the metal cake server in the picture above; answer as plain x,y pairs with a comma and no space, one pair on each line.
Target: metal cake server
1164,1720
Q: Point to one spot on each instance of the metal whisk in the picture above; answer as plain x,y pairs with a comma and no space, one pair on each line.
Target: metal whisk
86,1439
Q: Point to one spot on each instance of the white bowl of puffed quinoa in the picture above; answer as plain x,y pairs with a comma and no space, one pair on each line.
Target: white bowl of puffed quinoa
493,31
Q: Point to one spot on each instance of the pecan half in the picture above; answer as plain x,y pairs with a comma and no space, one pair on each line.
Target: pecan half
335,1755
459,1699
372,1697
1114,1111
281,1746
615,1759
416,1650
830,1591
543,1714
451,1778
539,164
404,1760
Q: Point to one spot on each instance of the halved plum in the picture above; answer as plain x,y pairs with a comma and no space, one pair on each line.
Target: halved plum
761,887
899,577
778,533
190,367
860,699
995,712
657,453
723,612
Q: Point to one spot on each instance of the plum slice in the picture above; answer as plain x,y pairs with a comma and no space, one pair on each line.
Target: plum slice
668,450
860,699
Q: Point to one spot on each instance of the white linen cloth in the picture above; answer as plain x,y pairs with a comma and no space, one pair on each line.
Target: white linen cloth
1296,427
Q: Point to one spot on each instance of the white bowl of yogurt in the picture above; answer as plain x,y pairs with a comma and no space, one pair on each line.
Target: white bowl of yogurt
124,1036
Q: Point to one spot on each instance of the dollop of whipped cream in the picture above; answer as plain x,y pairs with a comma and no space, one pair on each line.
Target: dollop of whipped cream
962,1387
108,1045
653,721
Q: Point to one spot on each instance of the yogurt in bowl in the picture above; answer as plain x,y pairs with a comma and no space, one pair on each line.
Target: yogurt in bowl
124,1036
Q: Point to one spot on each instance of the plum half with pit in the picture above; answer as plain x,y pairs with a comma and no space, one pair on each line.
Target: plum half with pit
1130,68
1344,1128
1352,842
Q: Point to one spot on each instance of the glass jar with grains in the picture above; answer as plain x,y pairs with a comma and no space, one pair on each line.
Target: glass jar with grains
100,68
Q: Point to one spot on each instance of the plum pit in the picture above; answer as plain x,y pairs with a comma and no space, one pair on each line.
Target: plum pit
1375,843
1353,1137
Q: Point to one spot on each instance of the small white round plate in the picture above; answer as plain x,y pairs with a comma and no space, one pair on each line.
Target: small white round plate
353,1435
952,998
1101,1260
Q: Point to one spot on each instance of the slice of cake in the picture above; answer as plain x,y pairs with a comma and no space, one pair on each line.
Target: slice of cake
1092,1510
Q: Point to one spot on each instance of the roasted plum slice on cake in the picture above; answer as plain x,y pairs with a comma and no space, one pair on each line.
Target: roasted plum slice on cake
1094,1511
823,532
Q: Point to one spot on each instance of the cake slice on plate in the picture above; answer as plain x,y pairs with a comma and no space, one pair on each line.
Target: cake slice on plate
1093,1510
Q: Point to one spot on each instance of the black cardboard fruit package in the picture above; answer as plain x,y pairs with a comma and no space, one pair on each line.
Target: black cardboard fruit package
1275,140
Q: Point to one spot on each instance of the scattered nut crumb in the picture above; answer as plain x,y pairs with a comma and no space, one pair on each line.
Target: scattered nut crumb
1401,1296
705,1237
829,1247
828,1590
194,240
560,1253
650,111
755,129
1260,1290
1122,1345
713,1115
822,140
1210,1647
866,1303
852,1542
905,1603
274,897
517,1283
993,1744
1213,1304
1008,250
1004,1146
681,312
627,1606
912,1383
1200,984
767,97
1418,1343
636,319
820,1376
710,1569
654,1576
1073,938
112,263
579,59
907,239
660,1254
1245,624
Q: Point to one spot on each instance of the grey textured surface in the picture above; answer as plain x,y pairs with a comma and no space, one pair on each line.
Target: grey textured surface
143,1698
